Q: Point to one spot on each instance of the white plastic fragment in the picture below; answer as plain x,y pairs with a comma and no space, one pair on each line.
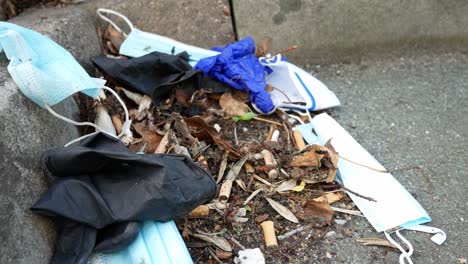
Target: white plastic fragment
250,256
104,121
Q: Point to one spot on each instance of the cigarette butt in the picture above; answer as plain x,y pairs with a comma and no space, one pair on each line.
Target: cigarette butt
273,174
117,123
162,147
268,158
225,190
202,210
269,234
300,144
275,136
270,161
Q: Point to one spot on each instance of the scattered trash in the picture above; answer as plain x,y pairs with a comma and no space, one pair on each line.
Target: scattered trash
250,256
106,200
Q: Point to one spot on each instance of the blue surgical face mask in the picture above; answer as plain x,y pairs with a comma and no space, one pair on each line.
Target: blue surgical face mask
47,74
139,43
157,242
394,208
44,71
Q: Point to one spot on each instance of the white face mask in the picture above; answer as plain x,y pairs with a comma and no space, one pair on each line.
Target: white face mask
395,207
139,43
157,242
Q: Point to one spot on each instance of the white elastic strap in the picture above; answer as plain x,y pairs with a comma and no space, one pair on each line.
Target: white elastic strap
404,255
99,12
439,237
125,128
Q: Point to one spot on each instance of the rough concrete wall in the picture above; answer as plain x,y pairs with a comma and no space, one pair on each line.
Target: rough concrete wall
330,28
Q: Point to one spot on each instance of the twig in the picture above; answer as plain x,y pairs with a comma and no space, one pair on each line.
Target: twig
423,173
235,134
346,211
252,196
260,179
233,240
213,255
357,194
362,165
293,232
222,167
286,50
267,121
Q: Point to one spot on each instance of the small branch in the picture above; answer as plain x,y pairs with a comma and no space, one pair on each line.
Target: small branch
286,50
213,255
362,165
293,232
357,194
267,121
237,243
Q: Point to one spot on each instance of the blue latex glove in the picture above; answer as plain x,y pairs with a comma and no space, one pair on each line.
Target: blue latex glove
238,67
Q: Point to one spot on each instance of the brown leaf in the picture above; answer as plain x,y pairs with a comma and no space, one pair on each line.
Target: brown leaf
203,130
309,158
115,37
330,161
330,197
231,106
316,211
223,254
200,211
149,137
263,47
261,218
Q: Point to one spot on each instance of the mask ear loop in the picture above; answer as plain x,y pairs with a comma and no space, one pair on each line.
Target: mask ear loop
99,12
404,255
125,128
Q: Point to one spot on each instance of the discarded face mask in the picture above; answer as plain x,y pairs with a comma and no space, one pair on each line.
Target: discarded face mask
99,185
44,71
139,43
237,66
394,208
294,88
156,243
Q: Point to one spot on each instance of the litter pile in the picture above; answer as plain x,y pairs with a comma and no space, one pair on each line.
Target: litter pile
220,140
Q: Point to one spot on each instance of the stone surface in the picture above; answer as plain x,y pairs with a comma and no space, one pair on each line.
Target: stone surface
199,23
408,111
329,30
27,130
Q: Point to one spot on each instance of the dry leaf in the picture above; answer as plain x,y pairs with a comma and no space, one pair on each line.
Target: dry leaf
330,197
282,210
204,131
310,158
218,241
318,211
331,161
286,185
299,187
223,254
103,120
231,106
375,241
115,37
148,136
144,103
135,97
263,47
261,218
202,210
